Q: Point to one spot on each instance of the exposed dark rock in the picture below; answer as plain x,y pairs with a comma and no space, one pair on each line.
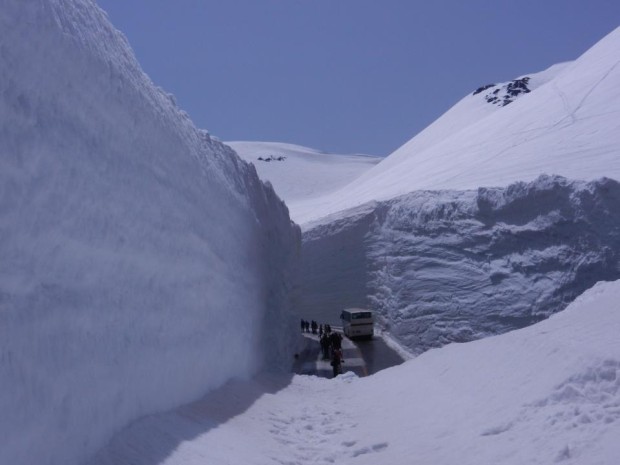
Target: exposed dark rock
272,158
507,93
518,86
483,88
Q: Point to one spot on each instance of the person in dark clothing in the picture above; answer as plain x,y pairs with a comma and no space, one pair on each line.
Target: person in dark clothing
314,327
335,340
307,323
320,330
325,346
339,343
336,362
303,325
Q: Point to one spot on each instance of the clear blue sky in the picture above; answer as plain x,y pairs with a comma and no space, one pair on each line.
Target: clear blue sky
346,75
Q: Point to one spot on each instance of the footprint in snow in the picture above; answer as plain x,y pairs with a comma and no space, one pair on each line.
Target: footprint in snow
368,450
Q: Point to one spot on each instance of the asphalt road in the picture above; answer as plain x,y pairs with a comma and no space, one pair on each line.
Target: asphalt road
363,357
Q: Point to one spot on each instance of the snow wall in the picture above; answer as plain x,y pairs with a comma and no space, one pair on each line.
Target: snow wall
454,266
142,263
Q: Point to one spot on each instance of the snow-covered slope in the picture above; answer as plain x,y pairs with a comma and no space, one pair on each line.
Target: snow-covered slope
546,394
445,266
567,125
142,263
483,102
299,173
438,240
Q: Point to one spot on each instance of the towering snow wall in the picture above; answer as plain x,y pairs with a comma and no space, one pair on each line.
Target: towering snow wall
141,262
453,266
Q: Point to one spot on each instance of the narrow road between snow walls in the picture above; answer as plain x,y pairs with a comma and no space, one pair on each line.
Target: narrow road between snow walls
362,356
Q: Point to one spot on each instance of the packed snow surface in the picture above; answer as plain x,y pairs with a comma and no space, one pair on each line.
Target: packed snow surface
549,393
300,173
142,262
568,124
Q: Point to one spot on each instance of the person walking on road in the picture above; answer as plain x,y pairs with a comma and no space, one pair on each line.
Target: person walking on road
325,346
336,340
336,362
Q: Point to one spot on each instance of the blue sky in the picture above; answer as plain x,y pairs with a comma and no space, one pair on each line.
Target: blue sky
346,75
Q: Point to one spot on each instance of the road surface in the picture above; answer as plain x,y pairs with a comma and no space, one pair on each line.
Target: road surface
363,357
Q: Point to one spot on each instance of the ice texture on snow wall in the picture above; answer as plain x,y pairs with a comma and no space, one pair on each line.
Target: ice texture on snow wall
142,263
453,266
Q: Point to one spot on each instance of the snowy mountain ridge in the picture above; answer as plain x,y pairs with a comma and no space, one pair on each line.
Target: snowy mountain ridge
564,126
506,93
300,173
311,175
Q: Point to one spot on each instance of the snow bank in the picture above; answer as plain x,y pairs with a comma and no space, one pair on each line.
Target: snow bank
549,393
446,266
142,262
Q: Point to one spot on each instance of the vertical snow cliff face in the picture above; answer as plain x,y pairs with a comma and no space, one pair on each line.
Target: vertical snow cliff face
453,266
141,262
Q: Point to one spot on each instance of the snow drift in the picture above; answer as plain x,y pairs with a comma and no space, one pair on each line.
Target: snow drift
142,262
453,266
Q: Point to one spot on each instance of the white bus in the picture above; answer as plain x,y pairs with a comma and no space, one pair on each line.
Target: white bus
357,322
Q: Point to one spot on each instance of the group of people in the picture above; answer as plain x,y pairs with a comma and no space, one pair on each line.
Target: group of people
314,328
331,343
309,326
331,346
